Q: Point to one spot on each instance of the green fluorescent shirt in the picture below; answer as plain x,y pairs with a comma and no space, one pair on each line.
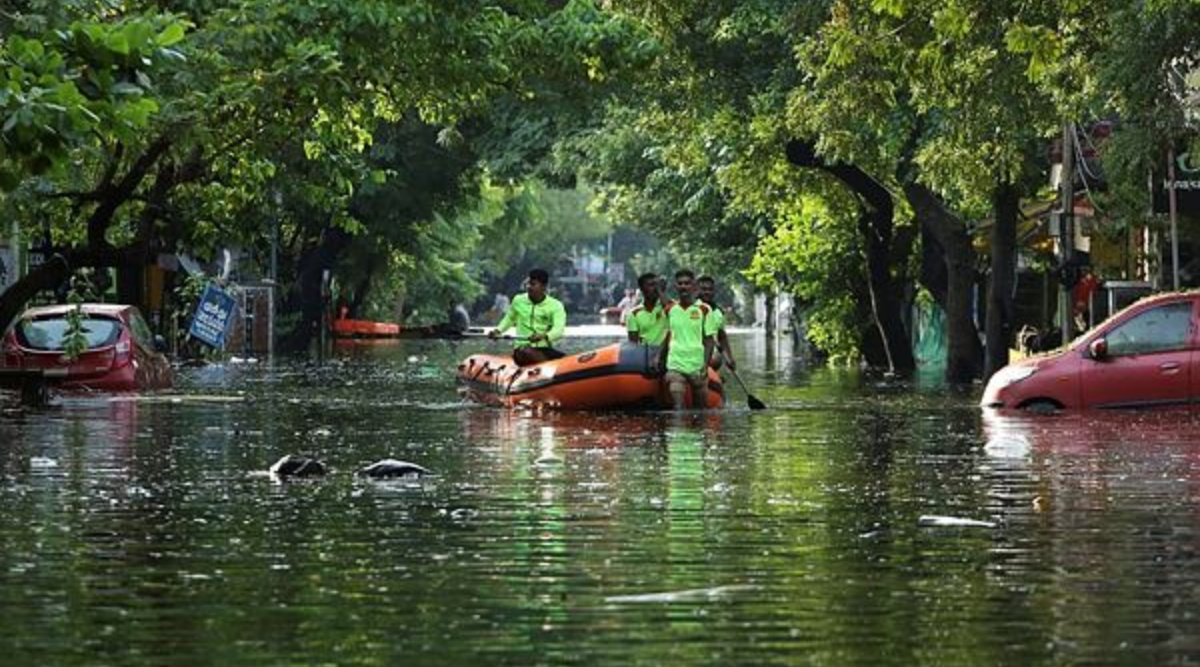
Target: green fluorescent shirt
651,325
689,327
717,315
548,317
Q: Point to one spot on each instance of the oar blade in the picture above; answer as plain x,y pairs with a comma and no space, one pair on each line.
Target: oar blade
751,400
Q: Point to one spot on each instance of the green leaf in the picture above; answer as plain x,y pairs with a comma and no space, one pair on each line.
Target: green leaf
172,34
125,88
118,43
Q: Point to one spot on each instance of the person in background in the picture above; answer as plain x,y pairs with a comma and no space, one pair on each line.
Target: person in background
540,321
706,289
1081,300
647,322
688,345
627,304
499,307
457,318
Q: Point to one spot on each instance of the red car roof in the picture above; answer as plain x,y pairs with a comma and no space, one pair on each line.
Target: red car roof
109,309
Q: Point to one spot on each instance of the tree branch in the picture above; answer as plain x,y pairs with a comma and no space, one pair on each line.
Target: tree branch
121,192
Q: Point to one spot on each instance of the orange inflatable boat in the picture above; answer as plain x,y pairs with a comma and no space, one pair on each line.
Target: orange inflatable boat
620,376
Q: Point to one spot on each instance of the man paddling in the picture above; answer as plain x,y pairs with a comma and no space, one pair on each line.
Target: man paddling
688,345
540,320
706,289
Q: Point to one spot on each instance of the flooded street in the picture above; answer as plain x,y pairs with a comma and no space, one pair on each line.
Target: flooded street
825,530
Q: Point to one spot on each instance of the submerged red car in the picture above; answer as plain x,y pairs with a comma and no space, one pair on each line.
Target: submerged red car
122,354
1147,355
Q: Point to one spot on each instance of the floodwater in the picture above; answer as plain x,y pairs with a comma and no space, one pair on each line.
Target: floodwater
857,521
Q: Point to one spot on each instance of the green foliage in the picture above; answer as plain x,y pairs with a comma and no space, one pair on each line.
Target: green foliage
75,340
806,256
230,118
1147,65
446,138
64,88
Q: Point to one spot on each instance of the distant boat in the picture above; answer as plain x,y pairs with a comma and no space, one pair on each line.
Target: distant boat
345,328
348,328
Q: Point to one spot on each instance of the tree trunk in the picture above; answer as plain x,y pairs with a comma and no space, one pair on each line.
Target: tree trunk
876,226
885,293
110,194
998,327
57,268
361,291
769,320
964,354
308,298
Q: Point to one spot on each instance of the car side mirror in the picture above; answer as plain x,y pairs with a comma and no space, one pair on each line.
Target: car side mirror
160,344
1098,349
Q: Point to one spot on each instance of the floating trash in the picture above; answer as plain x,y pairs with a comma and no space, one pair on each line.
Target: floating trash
293,465
392,469
952,522
688,595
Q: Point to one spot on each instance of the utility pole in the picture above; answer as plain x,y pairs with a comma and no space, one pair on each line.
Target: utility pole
1066,229
1173,211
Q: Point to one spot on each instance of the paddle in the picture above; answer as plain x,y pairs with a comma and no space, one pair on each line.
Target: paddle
469,333
751,400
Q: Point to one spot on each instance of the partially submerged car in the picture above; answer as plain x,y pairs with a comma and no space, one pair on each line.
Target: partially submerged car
121,352
1144,356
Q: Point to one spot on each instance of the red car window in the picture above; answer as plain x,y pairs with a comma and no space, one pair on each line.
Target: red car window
1156,330
51,333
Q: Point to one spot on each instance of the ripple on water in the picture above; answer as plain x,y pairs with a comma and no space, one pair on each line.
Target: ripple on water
775,537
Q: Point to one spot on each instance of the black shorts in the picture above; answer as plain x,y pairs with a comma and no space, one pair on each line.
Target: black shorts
544,354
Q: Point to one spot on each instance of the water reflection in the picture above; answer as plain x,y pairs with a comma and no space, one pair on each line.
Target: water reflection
784,536
1110,502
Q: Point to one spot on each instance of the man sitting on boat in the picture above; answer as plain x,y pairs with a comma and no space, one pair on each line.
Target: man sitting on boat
540,320
647,322
689,344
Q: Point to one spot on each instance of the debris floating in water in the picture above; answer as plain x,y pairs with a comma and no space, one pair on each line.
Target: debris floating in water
42,462
952,522
297,466
688,595
392,468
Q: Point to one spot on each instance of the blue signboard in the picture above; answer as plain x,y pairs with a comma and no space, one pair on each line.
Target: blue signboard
213,316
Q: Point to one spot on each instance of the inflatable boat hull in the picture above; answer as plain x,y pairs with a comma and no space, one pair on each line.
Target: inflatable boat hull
618,377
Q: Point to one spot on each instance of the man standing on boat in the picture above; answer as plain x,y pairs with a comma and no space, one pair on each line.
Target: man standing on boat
706,289
689,344
647,322
540,320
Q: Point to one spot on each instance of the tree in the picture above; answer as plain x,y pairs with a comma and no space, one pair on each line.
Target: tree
703,146
953,81
239,101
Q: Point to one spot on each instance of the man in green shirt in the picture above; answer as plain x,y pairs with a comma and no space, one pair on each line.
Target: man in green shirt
688,345
540,319
706,289
647,322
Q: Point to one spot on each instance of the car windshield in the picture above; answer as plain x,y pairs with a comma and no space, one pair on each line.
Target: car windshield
51,333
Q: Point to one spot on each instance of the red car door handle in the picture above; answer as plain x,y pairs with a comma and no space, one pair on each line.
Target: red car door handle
1169,366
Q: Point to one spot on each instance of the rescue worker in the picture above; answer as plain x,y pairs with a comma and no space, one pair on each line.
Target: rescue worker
540,321
689,344
706,289
647,322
